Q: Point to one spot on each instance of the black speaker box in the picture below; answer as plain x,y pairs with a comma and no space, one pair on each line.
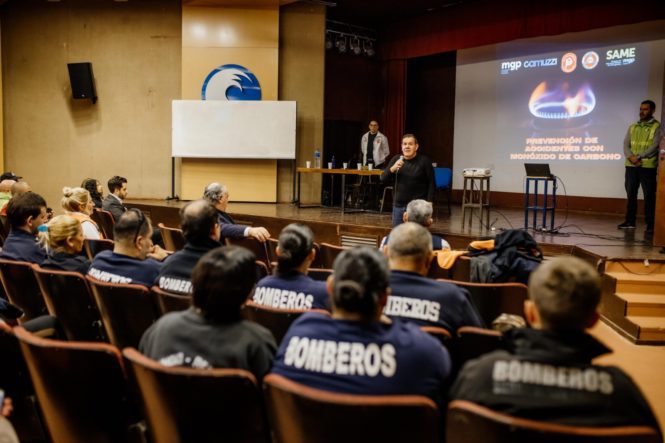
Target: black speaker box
82,81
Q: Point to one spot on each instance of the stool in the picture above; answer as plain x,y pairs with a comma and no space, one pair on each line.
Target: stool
476,195
548,202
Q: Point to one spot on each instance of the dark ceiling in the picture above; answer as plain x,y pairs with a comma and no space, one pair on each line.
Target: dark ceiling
377,14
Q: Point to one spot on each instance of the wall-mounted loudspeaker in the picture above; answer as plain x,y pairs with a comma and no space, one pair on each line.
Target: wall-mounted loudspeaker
82,81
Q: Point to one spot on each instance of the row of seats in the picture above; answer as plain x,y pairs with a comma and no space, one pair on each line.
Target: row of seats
92,392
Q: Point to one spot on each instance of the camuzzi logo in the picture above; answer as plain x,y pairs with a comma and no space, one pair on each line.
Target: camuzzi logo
231,82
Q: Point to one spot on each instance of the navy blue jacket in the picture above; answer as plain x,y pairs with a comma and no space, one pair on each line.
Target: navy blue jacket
62,261
22,246
228,226
176,272
429,302
108,266
363,358
292,291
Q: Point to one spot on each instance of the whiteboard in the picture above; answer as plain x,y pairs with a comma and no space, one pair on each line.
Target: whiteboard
234,129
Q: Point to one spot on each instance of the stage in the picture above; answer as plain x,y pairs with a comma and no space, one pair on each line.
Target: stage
585,234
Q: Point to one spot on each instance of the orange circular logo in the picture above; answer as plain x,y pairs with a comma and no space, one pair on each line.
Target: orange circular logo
590,60
568,62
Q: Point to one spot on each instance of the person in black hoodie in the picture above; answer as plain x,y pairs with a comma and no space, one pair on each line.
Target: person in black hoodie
546,373
65,240
198,220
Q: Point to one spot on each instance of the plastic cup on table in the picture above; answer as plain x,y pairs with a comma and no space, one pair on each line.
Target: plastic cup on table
360,166
345,165
330,165
308,164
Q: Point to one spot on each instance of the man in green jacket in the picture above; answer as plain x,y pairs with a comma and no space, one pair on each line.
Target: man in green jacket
640,146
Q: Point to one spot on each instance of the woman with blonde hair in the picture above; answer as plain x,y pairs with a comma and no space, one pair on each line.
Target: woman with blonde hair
77,203
65,241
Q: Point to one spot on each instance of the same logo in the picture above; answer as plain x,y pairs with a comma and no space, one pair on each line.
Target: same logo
231,82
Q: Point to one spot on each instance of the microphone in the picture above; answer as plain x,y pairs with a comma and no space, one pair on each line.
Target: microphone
401,158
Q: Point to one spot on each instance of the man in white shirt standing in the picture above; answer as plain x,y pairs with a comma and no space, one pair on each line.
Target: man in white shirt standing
374,146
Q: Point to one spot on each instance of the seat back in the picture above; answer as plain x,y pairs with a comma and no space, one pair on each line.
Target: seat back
68,298
278,321
81,388
319,274
472,342
494,299
126,310
261,270
104,220
93,246
441,334
22,289
443,177
467,421
300,414
329,253
259,249
198,405
170,302
174,240
18,386
271,244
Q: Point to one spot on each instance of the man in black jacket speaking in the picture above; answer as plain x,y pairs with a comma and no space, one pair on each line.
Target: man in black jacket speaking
413,177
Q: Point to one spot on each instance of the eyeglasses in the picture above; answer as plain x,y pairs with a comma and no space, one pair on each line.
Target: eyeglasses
141,219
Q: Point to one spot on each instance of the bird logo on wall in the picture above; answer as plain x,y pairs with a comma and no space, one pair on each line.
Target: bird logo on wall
231,82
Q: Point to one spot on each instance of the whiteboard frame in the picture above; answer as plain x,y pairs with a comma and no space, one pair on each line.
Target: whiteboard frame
234,129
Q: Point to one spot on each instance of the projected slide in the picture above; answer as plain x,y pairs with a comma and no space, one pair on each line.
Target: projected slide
568,104
563,106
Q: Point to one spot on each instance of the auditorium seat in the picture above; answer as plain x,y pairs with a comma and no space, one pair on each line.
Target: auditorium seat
441,334
170,302
319,274
460,271
261,270
22,290
300,414
126,310
93,246
69,299
470,422
277,321
472,342
329,253
104,220
198,405
15,381
173,238
494,299
259,249
81,388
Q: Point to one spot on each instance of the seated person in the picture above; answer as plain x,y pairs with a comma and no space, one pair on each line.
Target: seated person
95,189
546,373
198,220
77,203
413,296
420,211
353,352
290,287
25,213
218,196
65,241
134,258
212,333
113,202
17,188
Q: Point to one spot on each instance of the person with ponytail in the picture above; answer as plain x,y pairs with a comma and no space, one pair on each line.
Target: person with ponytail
95,189
65,242
77,203
290,287
352,351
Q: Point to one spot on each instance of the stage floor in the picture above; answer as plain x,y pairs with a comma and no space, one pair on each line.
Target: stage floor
594,233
